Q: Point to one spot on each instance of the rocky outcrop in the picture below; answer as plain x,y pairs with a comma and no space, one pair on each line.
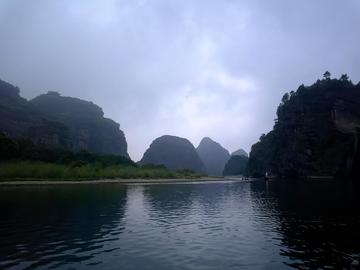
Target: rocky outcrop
174,153
316,133
89,130
213,155
240,152
236,165
21,119
57,121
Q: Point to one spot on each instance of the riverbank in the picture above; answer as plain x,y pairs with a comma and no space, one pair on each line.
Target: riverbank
15,182
41,171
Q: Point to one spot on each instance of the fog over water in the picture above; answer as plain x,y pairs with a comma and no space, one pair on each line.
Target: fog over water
188,68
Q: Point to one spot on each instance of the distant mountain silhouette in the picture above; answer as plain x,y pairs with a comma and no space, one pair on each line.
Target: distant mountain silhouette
174,153
316,133
88,128
236,165
213,155
240,152
57,121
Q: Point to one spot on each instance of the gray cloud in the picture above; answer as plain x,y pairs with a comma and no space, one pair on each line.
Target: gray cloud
189,68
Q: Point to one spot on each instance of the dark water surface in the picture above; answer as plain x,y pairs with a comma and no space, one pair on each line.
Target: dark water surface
232,225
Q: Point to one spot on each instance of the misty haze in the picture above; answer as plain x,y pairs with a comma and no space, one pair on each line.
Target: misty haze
155,134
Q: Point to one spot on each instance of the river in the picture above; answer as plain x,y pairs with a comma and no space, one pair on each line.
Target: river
211,225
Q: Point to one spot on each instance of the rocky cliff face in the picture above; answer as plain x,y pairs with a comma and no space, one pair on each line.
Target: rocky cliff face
213,155
20,119
89,130
58,121
174,153
316,133
236,165
240,152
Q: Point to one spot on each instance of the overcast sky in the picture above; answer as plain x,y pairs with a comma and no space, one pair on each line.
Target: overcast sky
215,68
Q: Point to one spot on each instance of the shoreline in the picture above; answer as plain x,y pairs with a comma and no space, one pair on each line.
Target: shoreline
21,182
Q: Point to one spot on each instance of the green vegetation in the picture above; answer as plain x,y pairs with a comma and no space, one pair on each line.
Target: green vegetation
23,149
51,171
175,153
316,133
57,121
21,159
236,165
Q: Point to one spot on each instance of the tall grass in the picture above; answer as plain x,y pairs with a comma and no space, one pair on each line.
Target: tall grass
48,171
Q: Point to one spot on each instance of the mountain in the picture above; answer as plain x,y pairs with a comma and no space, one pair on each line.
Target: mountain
174,153
240,152
21,119
57,121
316,133
16,114
213,155
89,129
236,165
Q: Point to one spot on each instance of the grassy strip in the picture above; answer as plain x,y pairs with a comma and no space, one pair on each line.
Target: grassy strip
52,171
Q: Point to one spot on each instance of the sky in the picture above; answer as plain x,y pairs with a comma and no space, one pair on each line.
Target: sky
190,68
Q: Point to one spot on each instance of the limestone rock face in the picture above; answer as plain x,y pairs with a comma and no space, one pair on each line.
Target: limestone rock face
20,119
89,130
240,152
236,165
213,155
174,153
316,133
58,121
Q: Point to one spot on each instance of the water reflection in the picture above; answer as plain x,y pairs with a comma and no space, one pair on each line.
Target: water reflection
52,226
208,226
169,203
318,222
233,225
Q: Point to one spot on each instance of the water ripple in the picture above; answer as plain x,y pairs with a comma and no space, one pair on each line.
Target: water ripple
228,225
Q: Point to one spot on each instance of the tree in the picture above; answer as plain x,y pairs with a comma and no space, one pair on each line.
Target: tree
285,98
344,77
327,75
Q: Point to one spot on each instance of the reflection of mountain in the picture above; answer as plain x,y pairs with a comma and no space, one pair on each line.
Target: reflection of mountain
169,202
176,202
59,225
318,222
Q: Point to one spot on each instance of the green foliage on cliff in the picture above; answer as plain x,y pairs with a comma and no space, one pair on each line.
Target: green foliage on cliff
236,165
58,121
174,153
31,170
21,159
23,149
316,133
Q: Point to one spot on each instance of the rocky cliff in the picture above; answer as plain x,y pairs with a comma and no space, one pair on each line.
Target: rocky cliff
213,155
20,119
58,121
174,153
236,165
316,133
240,152
89,130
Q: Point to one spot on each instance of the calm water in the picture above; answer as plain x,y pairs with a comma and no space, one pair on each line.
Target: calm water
232,225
